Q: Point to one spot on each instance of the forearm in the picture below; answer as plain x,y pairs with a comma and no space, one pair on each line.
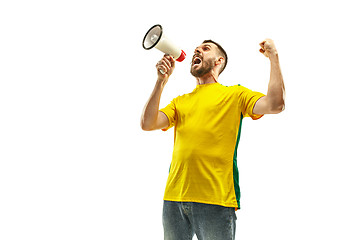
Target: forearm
276,88
151,109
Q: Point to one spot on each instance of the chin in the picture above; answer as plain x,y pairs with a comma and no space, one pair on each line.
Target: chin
198,71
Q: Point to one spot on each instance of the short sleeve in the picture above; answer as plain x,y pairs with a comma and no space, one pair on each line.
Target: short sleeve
247,100
170,112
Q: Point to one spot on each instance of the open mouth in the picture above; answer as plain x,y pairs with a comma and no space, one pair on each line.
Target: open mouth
196,61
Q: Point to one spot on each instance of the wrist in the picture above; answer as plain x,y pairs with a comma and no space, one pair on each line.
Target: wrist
274,56
161,81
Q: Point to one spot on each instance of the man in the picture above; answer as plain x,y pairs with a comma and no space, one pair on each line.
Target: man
202,191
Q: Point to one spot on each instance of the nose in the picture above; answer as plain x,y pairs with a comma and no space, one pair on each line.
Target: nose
197,50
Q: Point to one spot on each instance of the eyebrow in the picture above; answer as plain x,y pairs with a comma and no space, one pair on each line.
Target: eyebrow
207,45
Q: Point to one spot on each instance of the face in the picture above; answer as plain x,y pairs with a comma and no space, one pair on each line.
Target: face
203,60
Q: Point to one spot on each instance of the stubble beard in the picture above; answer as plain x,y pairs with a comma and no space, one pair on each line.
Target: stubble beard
205,68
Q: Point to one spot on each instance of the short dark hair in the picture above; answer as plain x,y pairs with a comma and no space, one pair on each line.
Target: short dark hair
222,53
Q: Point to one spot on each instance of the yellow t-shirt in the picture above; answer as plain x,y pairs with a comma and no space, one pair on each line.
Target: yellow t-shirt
207,131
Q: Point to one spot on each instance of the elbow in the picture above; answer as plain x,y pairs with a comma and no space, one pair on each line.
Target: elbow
278,108
145,127
275,107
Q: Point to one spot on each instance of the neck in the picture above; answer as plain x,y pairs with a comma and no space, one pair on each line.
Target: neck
207,78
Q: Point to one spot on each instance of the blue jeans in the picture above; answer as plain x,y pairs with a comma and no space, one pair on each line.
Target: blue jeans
181,220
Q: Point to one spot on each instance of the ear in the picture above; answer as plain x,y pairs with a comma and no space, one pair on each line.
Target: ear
220,61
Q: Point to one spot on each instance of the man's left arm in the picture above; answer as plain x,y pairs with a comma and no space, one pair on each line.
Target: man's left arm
274,101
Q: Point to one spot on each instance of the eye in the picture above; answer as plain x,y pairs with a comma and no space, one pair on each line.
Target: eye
206,48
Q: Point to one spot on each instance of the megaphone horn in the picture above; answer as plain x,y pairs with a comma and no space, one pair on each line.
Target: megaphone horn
155,38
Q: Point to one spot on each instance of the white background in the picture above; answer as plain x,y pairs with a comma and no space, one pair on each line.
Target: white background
74,163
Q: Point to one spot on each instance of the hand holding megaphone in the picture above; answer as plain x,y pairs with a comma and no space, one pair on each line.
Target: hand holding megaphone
155,38
166,65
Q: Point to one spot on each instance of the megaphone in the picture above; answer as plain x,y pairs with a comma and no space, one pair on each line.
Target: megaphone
155,38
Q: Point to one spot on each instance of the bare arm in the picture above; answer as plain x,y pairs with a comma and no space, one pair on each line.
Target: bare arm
152,118
274,101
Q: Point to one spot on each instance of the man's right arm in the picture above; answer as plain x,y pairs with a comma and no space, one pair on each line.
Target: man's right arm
152,118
